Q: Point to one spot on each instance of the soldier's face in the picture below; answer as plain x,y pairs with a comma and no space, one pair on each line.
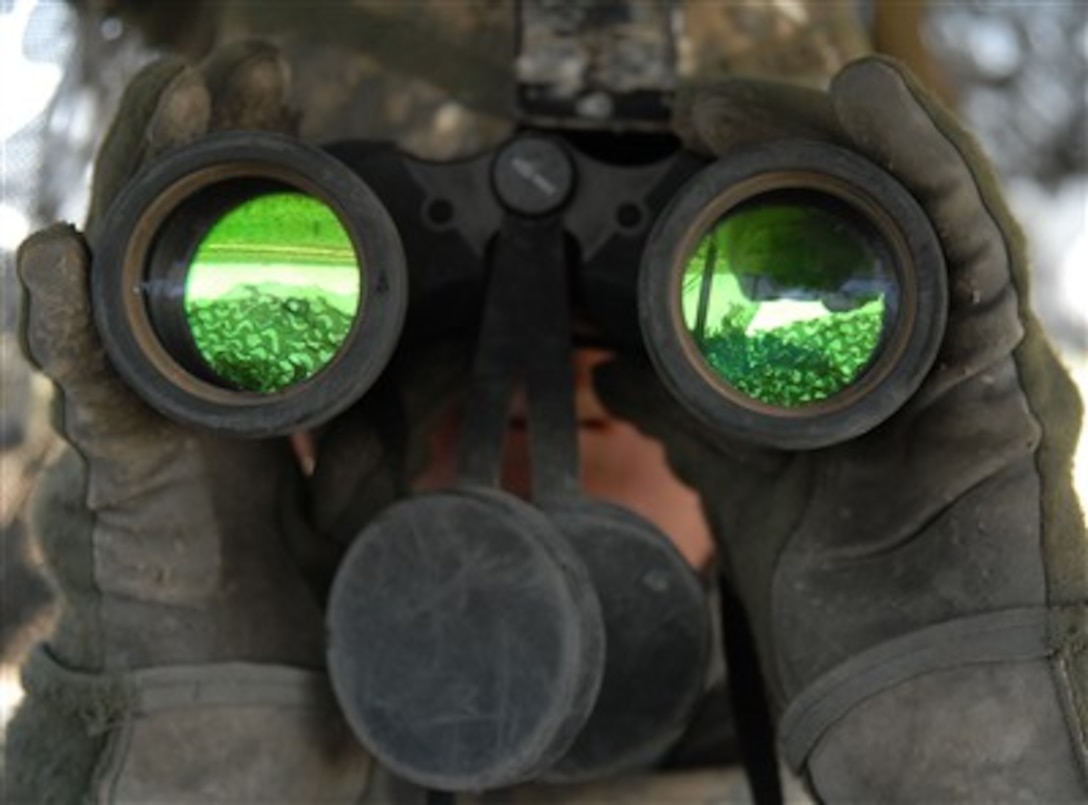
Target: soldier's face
618,464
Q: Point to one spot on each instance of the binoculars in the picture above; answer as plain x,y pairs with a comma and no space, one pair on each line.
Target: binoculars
791,295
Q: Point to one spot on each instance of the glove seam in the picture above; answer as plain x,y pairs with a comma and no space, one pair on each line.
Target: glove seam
1003,636
110,765
1071,642
107,701
231,684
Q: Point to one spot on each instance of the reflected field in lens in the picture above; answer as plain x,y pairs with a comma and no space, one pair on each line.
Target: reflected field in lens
248,283
272,291
793,295
788,298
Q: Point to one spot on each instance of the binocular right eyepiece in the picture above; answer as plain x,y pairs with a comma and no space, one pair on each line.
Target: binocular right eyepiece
791,295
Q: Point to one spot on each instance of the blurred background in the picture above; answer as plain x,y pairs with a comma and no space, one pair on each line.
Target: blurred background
1017,72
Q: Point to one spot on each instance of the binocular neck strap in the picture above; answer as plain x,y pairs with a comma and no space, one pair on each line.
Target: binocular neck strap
525,342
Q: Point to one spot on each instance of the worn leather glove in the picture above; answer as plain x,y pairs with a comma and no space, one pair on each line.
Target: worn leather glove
919,594
187,664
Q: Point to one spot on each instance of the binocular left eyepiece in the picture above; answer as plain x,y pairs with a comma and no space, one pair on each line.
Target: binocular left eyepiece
235,275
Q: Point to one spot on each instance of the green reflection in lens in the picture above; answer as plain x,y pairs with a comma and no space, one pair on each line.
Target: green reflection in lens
787,301
272,291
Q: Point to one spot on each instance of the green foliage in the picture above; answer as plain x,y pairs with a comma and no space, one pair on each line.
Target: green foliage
794,246
292,227
267,338
800,363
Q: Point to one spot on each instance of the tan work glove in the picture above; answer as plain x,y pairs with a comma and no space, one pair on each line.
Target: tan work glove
918,595
187,664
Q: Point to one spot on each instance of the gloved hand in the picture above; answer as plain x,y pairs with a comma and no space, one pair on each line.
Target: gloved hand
188,661
918,595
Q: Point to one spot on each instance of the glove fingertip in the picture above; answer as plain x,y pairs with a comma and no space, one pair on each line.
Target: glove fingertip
895,121
862,111
57,328
898,123
60,235
165,104
250,83
182,113
743,112
52,264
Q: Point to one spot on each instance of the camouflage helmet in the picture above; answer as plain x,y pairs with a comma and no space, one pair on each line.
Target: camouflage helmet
438,77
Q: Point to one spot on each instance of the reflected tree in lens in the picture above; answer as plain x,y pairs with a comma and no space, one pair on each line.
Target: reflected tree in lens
272,292
788,301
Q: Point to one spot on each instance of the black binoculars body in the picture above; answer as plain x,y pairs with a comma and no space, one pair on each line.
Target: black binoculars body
791,295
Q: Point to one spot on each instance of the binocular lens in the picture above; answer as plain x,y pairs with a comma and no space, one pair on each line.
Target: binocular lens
272,292
249,283
793,295
788,298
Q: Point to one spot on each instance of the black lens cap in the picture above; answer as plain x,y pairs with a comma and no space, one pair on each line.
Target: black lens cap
466,646
658,633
